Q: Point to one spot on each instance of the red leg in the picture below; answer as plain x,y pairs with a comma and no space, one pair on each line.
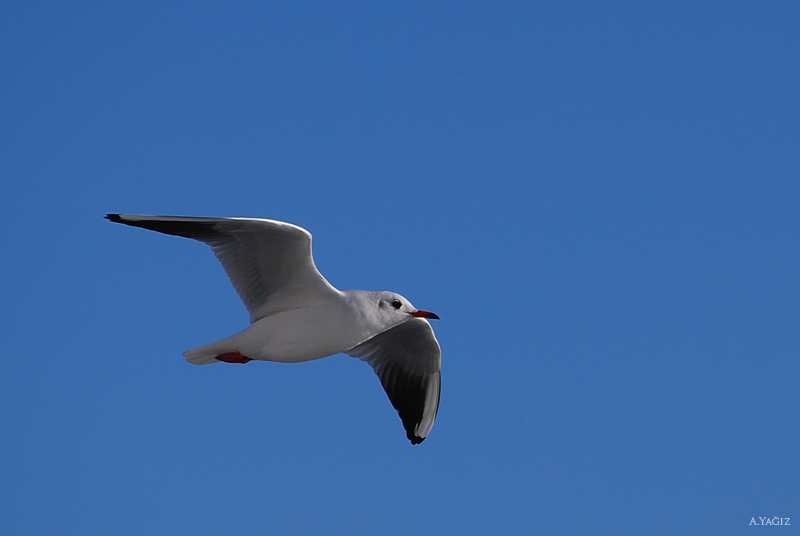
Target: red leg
233,357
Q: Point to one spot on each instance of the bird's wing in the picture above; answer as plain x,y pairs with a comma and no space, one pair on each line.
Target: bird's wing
408,361
269,262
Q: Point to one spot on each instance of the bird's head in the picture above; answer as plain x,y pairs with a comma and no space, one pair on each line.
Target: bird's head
395,309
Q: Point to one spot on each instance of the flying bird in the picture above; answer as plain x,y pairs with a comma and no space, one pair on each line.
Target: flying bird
296,315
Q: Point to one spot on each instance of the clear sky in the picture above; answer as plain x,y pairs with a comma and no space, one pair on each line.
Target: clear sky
600,200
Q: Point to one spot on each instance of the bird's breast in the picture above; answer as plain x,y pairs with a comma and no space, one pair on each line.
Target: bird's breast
303,334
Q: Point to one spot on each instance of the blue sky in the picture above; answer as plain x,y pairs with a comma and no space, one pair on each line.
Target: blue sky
599,200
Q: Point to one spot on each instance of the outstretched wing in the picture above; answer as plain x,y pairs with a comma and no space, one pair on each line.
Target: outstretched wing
408,361
269,262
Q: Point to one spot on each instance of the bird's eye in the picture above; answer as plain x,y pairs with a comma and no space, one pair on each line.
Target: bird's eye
396,304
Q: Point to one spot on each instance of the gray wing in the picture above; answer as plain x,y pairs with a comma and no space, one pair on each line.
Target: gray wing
269,262
408,361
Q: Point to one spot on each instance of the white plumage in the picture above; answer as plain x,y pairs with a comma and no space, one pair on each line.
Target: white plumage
296,315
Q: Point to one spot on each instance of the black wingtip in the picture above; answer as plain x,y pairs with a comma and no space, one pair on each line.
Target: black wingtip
197,228
415,440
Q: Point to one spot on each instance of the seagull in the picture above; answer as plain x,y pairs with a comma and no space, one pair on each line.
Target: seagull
296,315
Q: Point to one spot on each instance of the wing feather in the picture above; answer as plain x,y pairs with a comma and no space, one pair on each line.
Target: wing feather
268,262
407,359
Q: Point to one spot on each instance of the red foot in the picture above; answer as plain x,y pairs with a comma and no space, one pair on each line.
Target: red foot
233,357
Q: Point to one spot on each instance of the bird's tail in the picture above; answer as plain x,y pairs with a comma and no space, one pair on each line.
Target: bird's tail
201,356
205,355
227,350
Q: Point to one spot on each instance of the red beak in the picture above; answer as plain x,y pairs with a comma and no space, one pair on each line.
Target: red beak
425,314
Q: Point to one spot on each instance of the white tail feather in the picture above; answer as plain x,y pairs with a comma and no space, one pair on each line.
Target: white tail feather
200,357
206,355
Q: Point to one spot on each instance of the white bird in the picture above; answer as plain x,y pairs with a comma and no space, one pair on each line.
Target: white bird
296,315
